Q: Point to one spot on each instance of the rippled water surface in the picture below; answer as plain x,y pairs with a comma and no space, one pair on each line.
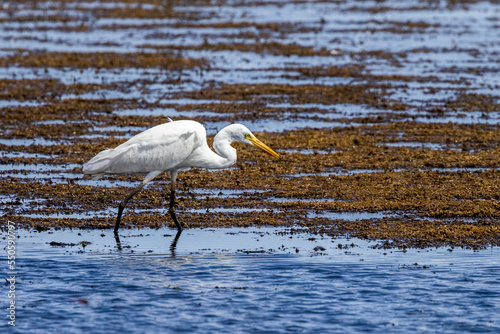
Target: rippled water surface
263,280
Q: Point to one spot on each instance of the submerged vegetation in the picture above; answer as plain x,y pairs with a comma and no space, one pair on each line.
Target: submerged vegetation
408,146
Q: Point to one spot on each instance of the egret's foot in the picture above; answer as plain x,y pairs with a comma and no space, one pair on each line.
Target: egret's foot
174,217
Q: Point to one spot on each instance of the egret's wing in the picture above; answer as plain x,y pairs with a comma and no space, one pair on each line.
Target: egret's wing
158,149
161,154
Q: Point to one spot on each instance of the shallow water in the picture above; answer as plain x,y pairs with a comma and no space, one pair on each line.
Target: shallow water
262,280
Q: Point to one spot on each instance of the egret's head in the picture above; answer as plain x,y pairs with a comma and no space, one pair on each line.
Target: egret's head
242,134
252,140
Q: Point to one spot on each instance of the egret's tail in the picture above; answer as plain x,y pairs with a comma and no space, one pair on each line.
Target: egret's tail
102,163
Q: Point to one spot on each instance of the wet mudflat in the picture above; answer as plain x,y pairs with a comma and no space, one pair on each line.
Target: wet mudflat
241,280
386,115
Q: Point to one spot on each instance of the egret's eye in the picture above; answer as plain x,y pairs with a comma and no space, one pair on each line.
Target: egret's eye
247,136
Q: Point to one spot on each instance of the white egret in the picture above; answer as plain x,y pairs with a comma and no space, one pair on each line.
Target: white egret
170,147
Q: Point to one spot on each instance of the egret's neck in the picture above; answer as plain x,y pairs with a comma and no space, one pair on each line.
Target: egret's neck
224,157
222,145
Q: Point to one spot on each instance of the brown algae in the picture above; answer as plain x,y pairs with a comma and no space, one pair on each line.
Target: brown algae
424,183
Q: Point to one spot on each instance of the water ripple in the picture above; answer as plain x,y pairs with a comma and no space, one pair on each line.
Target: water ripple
239,281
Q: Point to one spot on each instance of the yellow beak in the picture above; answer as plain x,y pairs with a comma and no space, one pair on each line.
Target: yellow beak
262,146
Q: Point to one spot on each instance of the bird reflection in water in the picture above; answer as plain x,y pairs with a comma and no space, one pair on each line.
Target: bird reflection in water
173,244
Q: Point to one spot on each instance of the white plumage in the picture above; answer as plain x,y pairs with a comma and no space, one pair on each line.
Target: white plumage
170,147
160,148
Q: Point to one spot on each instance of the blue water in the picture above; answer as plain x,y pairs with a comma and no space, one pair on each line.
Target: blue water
259,280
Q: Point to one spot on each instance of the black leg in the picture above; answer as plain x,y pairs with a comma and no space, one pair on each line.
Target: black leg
123,204
171,210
